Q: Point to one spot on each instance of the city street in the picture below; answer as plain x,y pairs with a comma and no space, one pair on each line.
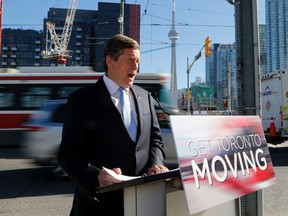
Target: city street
26,189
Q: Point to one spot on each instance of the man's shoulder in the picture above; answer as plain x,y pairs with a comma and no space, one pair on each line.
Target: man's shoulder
91,87
87,90
84,90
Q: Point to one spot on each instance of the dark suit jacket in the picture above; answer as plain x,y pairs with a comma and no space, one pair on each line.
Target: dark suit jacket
95,136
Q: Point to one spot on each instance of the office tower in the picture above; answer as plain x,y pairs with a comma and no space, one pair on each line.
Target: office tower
276,34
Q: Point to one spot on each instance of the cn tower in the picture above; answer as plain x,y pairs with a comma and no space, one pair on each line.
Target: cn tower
173,36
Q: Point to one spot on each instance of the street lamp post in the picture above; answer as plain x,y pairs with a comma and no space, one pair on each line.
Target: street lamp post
189,66
229,88
121,17
188,85
210,102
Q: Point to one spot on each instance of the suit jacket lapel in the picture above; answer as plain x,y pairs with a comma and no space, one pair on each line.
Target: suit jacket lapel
107,103
139,110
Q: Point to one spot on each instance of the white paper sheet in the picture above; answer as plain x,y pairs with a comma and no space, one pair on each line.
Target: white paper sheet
120,177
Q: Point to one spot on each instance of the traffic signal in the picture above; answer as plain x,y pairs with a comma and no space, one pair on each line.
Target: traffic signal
208,47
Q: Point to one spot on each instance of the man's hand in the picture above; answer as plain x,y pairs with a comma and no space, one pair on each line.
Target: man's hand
106,179
157,169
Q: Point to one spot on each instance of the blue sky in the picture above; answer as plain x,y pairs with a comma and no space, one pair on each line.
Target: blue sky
195,20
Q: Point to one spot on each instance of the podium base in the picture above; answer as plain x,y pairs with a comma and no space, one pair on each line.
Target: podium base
143,200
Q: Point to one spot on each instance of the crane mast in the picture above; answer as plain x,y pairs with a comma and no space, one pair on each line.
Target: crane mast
68,24
57,48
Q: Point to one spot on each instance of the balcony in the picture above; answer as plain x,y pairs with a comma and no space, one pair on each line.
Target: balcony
59,28
14,48
78,29
13,56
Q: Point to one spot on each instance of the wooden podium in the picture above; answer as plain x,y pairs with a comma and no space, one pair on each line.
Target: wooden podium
145,195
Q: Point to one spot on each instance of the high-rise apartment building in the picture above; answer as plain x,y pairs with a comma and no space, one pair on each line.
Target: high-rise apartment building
90,32
211,67
276,34
221,74
82,37
108,25
21,48
92,29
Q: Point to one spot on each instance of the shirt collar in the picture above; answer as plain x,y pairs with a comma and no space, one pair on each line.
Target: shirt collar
111,85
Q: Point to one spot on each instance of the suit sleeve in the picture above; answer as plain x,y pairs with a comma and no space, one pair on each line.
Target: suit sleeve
72,153
157,154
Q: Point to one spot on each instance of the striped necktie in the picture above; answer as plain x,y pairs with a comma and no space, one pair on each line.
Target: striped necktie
127,114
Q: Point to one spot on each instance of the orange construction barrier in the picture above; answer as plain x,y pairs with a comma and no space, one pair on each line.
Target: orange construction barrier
272,130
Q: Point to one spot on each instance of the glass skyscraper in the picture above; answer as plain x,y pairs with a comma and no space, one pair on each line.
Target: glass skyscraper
262,47
276,34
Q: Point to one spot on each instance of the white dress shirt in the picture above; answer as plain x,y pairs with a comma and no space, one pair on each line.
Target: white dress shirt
115,96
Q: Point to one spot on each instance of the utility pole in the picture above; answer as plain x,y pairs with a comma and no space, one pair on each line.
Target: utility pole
189,66
121,17
188,86
229,88
248,80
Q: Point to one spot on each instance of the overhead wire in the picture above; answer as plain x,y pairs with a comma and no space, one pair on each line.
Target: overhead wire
181,24
197,10
145,10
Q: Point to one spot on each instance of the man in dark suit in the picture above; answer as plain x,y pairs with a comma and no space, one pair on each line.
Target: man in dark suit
94,135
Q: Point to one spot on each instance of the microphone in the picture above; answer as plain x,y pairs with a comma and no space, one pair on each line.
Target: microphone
155,97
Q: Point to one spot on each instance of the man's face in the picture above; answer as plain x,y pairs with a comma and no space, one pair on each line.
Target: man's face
124,70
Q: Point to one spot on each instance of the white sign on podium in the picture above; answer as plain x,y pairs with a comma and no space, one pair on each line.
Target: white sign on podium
221,158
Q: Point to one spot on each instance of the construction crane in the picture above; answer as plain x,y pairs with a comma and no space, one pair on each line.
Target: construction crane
57,47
